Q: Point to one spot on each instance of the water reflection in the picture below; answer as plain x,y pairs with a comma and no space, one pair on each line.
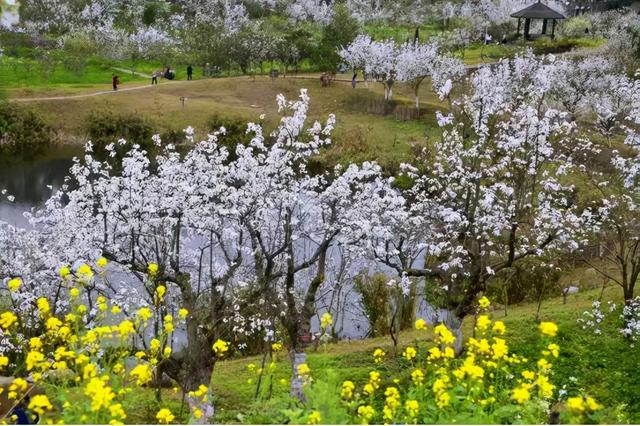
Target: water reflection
31,183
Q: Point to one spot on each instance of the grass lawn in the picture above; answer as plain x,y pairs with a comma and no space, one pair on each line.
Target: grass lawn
604,366
361,133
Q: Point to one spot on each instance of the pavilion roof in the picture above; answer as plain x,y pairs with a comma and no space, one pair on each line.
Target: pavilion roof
538,10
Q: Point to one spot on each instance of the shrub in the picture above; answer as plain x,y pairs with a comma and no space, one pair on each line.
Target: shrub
23,134
375,295
235,131
575,26
105,128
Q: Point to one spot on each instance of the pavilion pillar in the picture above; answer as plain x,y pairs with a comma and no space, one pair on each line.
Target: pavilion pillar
527,25
544,26
553,29
518,32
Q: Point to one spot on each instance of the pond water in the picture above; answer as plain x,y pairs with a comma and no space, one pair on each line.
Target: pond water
32,182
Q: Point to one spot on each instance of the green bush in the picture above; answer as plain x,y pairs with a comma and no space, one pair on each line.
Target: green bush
23,134
375,295
107,127
575,27
235,132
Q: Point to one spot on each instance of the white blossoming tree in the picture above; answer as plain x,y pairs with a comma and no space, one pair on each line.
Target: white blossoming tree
387,63
492,192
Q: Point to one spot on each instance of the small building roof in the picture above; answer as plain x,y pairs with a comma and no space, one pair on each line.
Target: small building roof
538,10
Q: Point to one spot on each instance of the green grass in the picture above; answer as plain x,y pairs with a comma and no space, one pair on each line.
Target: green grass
604,366
401,33
28,73
478,53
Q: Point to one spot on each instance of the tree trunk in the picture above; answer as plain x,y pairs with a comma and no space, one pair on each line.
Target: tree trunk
297,382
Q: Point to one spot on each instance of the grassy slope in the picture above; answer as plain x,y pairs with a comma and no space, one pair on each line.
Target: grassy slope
606,366
359,135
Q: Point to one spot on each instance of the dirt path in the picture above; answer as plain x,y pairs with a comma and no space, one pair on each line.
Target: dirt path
88,95
124,70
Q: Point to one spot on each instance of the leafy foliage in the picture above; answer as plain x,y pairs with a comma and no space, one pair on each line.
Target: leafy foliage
23,134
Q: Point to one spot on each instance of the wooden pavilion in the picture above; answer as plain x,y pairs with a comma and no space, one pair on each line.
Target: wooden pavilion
541,11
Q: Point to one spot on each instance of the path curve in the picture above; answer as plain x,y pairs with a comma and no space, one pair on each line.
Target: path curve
87,95
469,67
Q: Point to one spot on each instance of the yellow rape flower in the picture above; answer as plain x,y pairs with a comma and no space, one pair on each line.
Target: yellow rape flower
142,373
499,348
444,334
484,302
575,405
34,358
117,411
74,292
303,370
592,404
544,365
421,324
368,389
412,407
64,272
347,389
366,412
14,284
160,292
314,418
144,313
165,416
434,353
89,370
548,328
152,268
197,413
220,347
154,344
443,400
43,306
4,361
554,350
409,353
84,272
101,262
417,376
483,322
521,395
378,355
545,388
529,375
499,327
326,320
7,319
40,404
182,313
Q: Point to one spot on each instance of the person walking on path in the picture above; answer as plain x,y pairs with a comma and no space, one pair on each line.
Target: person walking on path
115,81
154,78
189,72
353,80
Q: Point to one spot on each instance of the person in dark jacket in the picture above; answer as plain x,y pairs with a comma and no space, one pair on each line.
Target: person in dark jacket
189,72
115,81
